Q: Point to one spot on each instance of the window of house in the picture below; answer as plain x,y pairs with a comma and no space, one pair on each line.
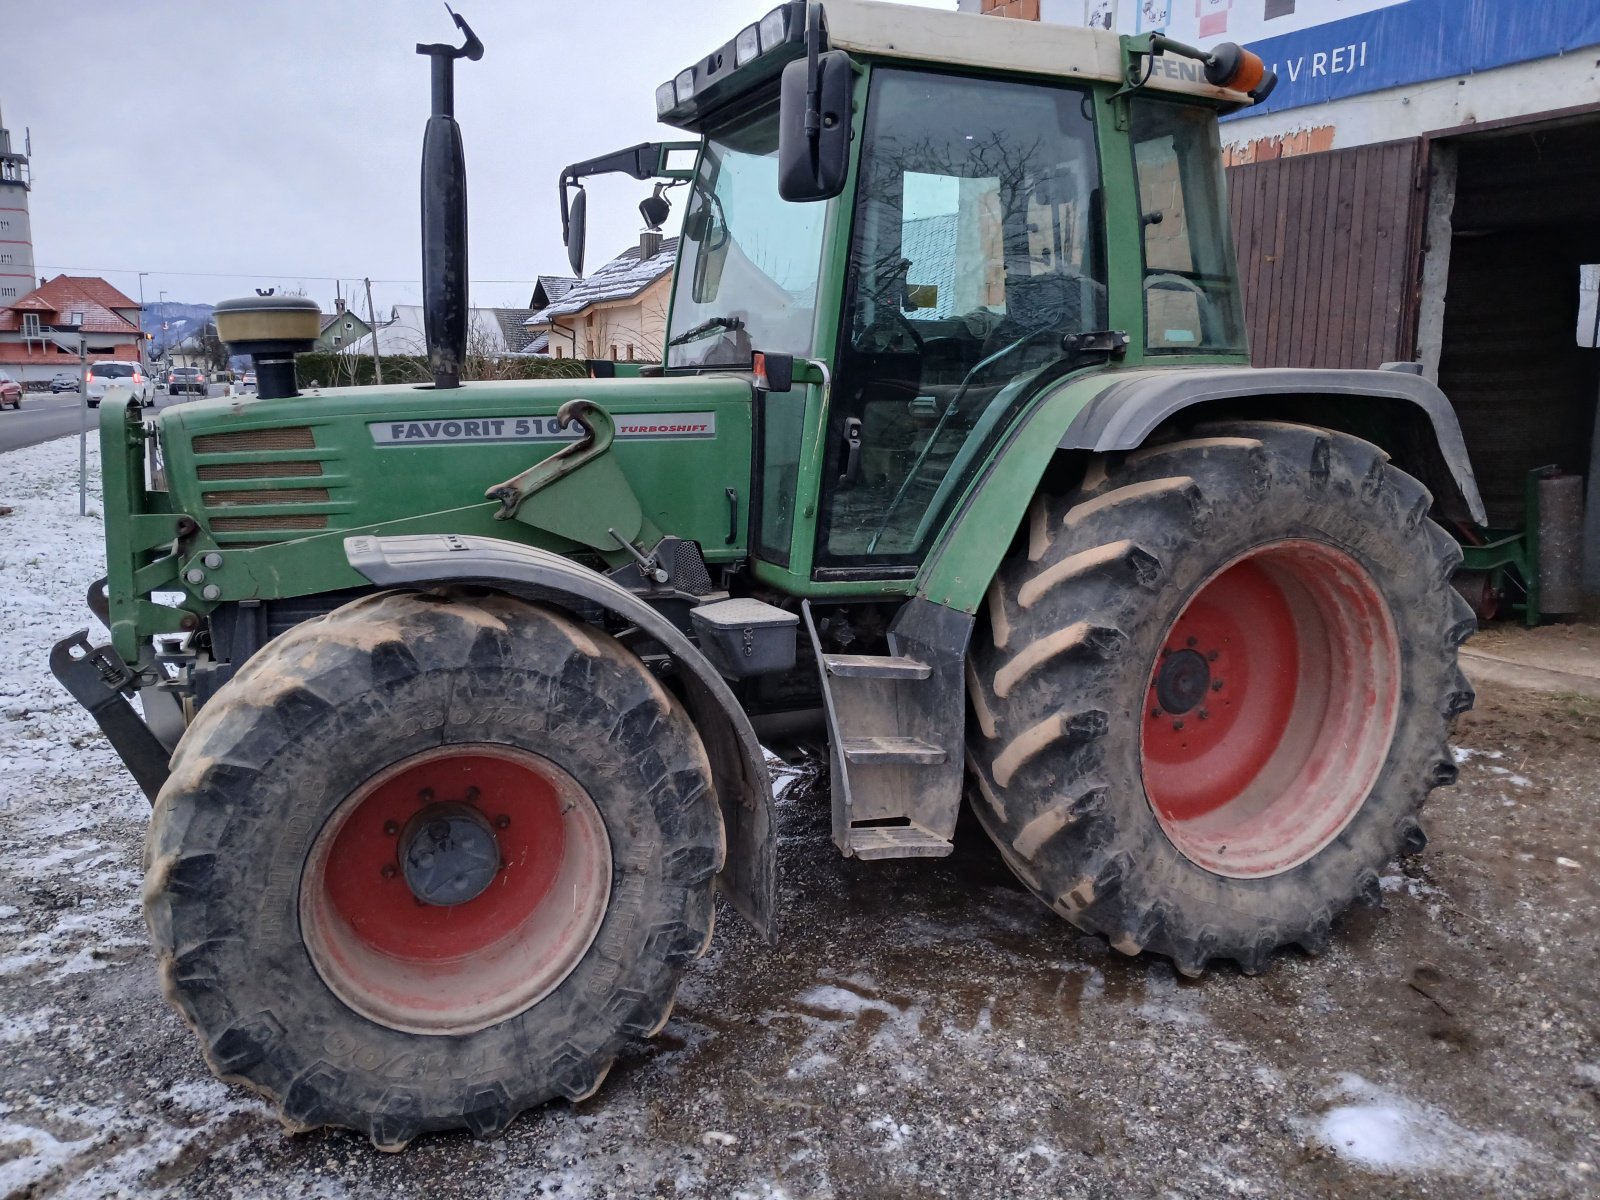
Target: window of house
337,339
5,258
349,325
30,321
630,351
560,353
8,291
613,352
588,347
4,225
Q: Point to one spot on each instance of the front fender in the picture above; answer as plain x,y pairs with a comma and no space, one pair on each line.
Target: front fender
744,789
1117,410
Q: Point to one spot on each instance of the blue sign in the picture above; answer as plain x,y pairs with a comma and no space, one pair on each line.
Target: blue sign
1418,40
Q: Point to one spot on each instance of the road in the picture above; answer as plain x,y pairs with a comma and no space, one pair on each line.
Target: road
44,416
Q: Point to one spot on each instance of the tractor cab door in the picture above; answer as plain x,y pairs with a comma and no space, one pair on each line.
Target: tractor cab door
977,243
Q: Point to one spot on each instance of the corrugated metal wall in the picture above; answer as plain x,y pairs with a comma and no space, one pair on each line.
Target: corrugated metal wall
1328,247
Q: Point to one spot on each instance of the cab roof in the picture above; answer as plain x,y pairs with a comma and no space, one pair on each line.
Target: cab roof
868,27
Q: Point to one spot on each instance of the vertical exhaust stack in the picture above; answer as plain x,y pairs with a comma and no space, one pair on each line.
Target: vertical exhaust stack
444,214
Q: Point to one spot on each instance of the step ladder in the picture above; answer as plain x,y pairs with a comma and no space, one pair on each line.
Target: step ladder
895,726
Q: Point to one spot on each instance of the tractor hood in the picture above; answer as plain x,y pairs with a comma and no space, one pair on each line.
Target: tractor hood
259,474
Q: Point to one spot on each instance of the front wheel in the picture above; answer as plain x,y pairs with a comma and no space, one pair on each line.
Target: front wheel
427,862
1216,688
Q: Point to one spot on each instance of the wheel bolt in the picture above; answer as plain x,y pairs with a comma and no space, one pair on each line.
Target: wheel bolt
502,821
1177,725
389,871
1212,656
1204,715
1192,642
1216,685
392,828
472,795
1155,712
425,795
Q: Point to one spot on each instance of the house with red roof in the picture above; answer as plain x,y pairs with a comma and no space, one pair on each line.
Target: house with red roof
31,349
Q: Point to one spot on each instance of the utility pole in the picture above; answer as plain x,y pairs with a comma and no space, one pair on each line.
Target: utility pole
372,319
144,358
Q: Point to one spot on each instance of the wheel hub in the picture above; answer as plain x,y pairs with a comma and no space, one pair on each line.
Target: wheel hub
448,854
1182,681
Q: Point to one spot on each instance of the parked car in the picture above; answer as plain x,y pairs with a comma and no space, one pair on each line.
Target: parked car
247,382
10,391
64,381
124,375
186,380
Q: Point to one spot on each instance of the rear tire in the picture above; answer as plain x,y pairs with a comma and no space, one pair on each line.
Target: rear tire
284,873
1215,689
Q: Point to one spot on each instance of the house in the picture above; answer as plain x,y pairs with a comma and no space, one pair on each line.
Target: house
340,328
490,332
31,352
619,312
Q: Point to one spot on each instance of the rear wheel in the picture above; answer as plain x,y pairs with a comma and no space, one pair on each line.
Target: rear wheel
1216,688
427,862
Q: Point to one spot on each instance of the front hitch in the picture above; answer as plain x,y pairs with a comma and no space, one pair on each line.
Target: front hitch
100,681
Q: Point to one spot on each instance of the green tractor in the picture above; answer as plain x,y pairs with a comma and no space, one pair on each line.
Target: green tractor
453,696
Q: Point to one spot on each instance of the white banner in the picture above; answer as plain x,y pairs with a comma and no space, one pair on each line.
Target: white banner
457,431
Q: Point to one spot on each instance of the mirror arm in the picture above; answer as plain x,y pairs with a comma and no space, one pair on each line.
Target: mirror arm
647,160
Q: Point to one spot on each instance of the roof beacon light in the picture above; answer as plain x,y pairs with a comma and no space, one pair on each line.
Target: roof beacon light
1230,65
747,45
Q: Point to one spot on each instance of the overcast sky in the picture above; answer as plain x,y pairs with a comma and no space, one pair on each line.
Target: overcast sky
225,145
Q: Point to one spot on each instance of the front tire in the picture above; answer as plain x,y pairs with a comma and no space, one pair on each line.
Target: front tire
427,862
1215,690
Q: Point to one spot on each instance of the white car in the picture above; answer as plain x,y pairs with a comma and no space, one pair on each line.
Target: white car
125,376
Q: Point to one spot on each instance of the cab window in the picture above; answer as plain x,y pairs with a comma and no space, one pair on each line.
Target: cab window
977,245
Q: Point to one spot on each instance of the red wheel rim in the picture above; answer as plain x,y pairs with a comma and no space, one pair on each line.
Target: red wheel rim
1270,710
455,967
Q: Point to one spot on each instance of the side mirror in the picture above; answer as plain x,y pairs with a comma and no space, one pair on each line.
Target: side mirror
575,230
1589,307
814,127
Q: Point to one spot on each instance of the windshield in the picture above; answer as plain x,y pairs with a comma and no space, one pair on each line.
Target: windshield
112,370
747,278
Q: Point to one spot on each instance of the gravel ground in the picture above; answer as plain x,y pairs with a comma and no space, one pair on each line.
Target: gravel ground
925,1028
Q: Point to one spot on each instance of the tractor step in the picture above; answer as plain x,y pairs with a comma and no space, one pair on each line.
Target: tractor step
897,841
875,666
896,722
892,751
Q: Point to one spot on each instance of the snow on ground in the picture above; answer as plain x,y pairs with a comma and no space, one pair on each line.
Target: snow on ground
1384,1131
926,1027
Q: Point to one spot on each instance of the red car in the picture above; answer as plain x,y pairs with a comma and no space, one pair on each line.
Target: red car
10,391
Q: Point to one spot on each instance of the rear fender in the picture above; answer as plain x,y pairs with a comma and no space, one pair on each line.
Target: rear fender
744,789
1112,411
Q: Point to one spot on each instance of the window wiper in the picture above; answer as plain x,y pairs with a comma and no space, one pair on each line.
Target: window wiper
732,324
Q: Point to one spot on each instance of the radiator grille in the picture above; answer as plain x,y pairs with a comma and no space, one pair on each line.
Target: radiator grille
295,437
263,524
257,470
309,495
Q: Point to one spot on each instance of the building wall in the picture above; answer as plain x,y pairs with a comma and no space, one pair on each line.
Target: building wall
16,244
607,331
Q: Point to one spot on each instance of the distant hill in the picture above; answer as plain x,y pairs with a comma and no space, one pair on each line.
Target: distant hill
172,321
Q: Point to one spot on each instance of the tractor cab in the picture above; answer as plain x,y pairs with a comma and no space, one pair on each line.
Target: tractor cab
923,225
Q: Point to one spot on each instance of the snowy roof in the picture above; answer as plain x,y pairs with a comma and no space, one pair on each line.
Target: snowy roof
623,278
487,330
547,289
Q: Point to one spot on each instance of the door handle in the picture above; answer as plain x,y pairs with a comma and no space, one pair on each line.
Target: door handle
852,451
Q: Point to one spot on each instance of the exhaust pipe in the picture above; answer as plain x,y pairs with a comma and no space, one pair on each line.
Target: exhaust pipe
444,214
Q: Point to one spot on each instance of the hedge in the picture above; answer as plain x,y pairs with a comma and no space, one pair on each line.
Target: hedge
346,370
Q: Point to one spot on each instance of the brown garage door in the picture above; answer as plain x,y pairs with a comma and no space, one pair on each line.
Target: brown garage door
1328,247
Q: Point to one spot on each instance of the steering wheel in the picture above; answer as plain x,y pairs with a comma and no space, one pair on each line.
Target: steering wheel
1172,282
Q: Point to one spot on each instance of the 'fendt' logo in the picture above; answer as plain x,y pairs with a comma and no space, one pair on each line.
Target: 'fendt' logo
458,431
